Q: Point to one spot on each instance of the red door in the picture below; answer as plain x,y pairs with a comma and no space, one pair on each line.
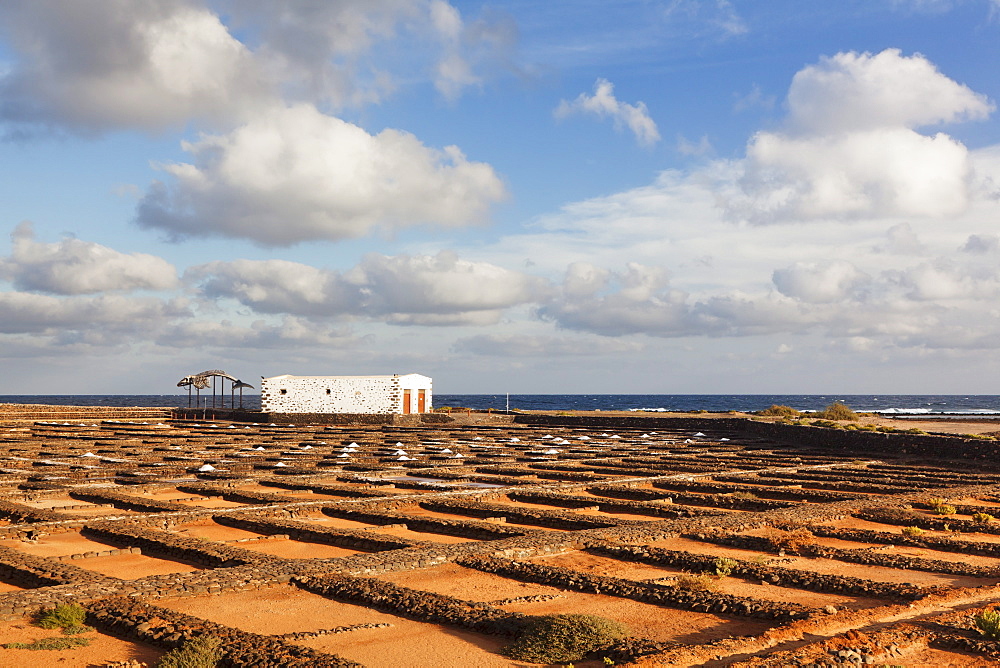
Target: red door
406,402
421,401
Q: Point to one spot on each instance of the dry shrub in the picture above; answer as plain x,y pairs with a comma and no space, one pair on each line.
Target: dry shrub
791,541
779,411
563,638
837,411
200,652
49,644
696,582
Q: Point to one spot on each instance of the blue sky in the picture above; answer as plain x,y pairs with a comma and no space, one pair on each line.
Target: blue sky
633,196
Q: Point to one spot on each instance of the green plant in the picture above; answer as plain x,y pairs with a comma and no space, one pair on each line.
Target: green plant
562,638
200,652
50,643
941,507
912,532
983,518
744,496
776,410
724,566
608,662
69,617
837,411
988,623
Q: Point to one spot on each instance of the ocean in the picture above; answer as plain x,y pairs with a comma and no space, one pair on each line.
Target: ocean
888,404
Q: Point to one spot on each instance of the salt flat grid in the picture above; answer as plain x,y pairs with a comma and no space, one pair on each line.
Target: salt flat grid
171,511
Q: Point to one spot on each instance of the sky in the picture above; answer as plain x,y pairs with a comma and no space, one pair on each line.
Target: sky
596,196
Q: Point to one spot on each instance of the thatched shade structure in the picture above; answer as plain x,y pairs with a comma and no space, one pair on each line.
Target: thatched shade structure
200,381
238,384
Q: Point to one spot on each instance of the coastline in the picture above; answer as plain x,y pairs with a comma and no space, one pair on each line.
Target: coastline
936,425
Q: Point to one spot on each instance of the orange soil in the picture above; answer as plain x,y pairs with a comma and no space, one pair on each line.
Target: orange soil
406,643
420,512
924,553
937,658
597,565
133,566
55,504
57,545
467,583
619,516
103,649
97,511
211,503
854,523
645,620
421,535
209,530
6,587
338,523
971,501
830,566
295,549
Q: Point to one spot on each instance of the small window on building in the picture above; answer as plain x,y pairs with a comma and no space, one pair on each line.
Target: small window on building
284,391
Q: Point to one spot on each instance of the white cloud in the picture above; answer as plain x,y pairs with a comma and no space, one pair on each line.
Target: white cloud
75,267
901,239
604,104
862,91
277,286
289,334
104,316
405,290
877,172
151,65
317,51
423,289
982,244
851,150
719,15
700,148
821,283
617,303
123,63
294,174
518,346
944,280
453,72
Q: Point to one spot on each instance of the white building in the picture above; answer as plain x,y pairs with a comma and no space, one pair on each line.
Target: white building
398,394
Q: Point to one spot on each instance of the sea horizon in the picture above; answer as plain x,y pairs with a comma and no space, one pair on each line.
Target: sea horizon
888,404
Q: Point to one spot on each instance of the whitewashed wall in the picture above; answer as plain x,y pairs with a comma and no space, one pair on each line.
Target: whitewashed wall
342,394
